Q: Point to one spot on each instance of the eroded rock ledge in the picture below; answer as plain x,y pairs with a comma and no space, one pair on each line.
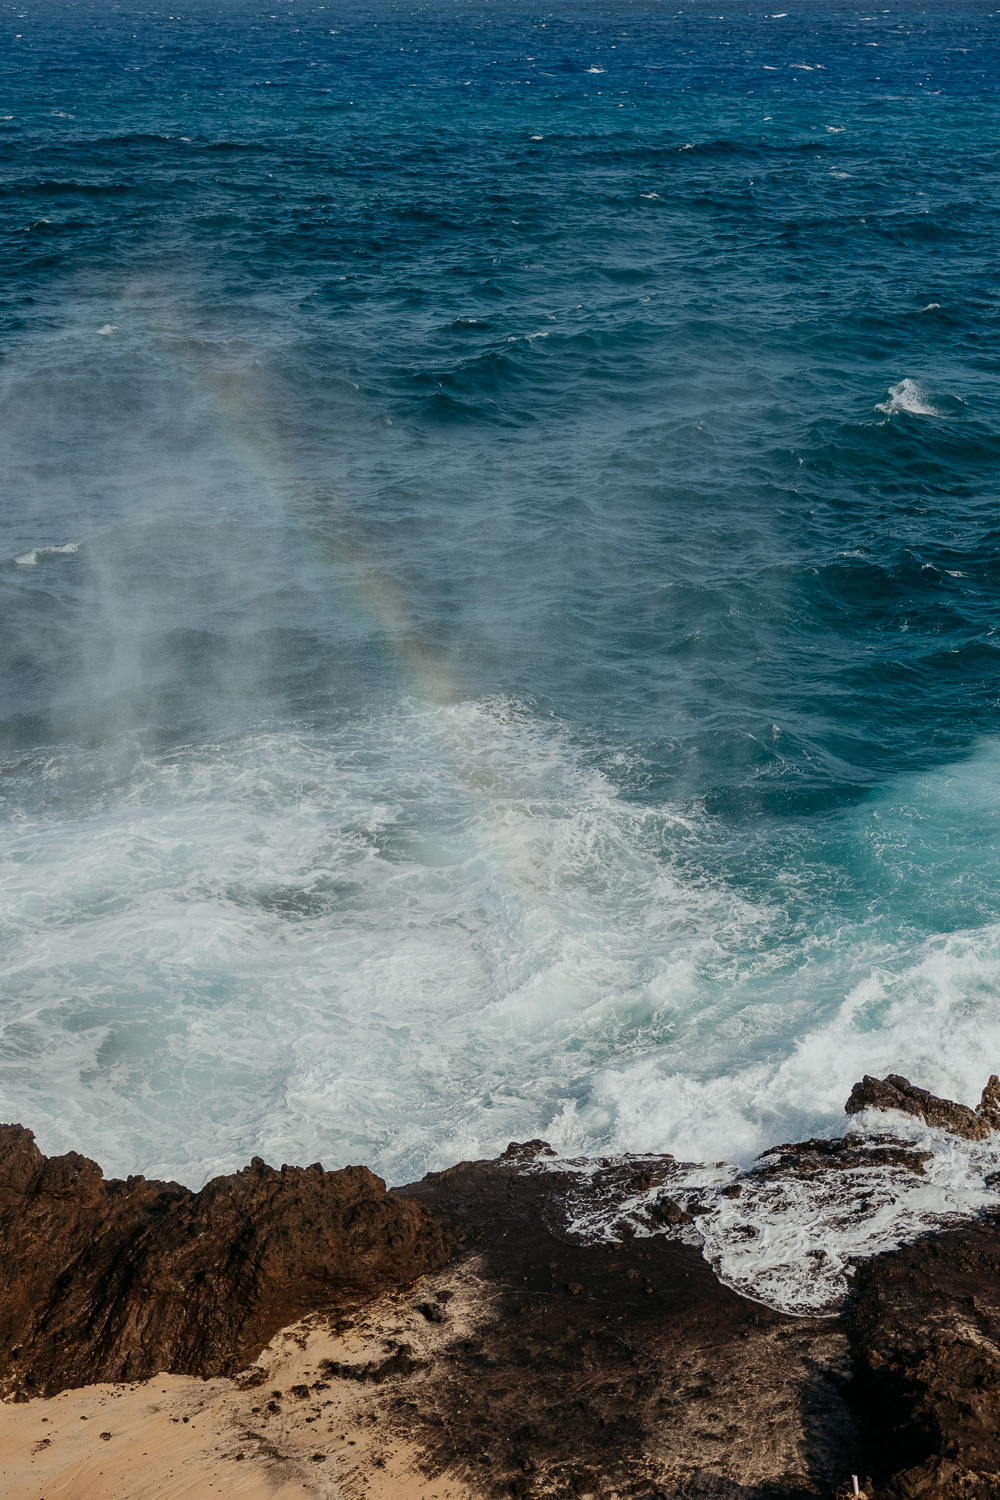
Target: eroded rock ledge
620,1368
119,1280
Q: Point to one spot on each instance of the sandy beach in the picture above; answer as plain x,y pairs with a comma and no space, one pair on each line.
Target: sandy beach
281,1431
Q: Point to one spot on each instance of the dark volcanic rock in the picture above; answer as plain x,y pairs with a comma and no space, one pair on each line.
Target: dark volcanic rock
989,1105
119,1280
617,1366
894,1092
401,1362
843,1154
925,1334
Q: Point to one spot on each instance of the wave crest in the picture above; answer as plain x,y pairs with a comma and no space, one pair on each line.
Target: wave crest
909,396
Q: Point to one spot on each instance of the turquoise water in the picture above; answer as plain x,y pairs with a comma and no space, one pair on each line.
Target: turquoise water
499,578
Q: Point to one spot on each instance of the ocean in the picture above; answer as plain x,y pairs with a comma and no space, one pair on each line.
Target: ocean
499,576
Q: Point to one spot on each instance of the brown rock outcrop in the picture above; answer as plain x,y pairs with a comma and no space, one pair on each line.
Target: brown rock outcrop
119,1280
894,1092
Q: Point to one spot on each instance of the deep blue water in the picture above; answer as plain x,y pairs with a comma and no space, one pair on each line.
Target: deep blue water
499,582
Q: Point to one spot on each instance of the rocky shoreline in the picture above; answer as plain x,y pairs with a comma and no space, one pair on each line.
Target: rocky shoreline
510,1343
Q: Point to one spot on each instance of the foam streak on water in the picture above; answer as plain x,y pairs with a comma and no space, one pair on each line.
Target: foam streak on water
785,1236
31,558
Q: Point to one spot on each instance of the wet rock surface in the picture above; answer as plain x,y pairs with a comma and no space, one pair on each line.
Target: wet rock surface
619,1367
804,1158
118,1280
894,1092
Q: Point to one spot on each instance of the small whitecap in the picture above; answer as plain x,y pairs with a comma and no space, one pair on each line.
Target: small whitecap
931,307
30,559
649,195
836,129
108,328
595,70
538,137
907,396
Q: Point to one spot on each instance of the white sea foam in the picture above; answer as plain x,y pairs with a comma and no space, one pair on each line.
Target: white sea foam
108,328
30,559
425,934
791,1239
908,396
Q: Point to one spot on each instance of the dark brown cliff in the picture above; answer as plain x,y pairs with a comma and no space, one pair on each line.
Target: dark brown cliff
119,1280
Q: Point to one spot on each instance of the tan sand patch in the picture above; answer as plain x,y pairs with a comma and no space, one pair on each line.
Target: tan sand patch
282,1431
